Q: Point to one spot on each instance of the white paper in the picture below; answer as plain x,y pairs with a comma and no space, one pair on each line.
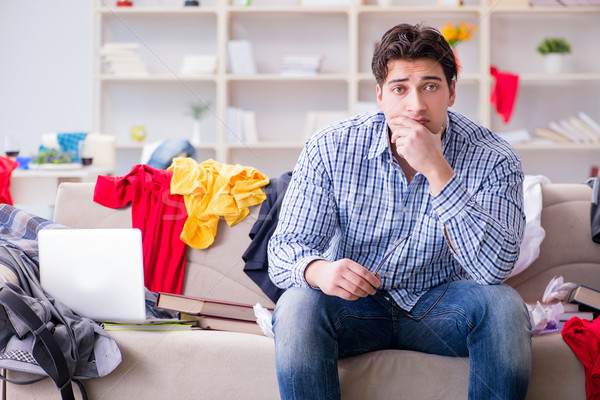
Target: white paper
557,290
264,320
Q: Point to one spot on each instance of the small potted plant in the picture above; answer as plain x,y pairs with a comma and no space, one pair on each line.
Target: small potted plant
197,111
553,50
50,157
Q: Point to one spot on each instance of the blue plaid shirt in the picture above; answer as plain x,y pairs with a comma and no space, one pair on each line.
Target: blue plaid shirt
349,198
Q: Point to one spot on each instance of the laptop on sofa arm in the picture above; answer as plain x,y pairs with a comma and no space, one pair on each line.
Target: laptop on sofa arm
98,273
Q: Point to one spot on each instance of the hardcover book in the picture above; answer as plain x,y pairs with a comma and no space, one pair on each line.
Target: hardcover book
223,324
208,307
586,296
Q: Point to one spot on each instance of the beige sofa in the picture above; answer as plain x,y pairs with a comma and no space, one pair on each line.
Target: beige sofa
222,365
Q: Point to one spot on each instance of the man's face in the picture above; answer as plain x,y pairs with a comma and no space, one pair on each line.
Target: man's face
417,90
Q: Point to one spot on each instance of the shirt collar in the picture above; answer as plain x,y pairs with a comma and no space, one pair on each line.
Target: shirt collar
380,142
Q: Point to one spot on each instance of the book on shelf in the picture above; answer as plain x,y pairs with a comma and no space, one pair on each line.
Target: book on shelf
206,307
586,119
580,128
250,127
240,126
234,125
241,57
586,296
548,134
544,3
309,64
122,59
516,136
199,64
223,324
579,3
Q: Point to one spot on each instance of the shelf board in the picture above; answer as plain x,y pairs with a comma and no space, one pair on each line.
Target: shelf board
287,9
550,10
266,145
280,77
155,78
156,10
417,9
139,146
558,77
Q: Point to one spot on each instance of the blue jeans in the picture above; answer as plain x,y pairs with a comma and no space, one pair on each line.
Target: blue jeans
488,324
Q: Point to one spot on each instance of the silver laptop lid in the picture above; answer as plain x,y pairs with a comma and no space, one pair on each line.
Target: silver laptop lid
98,273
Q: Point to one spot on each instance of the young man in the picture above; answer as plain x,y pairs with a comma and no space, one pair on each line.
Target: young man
399,223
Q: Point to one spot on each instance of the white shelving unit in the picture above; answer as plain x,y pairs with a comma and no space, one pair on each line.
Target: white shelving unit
166,31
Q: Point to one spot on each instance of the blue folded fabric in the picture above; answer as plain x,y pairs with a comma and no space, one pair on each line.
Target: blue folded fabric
69,142
162,157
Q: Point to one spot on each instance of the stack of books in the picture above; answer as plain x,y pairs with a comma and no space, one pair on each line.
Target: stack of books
580,128
122,59
241,57
301,64
240,126
212,314
199,64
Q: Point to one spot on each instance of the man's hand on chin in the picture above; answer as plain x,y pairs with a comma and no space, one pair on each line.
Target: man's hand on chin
422,149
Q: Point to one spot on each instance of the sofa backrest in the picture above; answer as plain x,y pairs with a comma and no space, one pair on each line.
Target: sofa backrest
567,249
217,272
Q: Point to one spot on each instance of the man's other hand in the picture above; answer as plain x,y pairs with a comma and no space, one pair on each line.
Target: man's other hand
343,278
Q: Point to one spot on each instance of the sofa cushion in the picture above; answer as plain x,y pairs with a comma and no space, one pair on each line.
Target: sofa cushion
218,365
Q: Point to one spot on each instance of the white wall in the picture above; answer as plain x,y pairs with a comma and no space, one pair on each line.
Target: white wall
45,68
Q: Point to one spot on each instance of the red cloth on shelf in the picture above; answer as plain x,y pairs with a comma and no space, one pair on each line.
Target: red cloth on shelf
504,93
158,214
7,166
583,337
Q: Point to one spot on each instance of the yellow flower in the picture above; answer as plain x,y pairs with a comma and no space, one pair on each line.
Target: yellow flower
456,34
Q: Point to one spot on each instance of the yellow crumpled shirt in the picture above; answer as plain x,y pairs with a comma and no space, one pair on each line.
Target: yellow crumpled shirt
211,190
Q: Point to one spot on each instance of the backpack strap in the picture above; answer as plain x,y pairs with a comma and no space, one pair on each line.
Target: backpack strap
59,372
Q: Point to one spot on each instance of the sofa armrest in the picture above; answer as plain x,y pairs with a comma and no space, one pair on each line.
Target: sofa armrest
75,208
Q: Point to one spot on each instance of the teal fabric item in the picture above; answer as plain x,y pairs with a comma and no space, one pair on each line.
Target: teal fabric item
69,142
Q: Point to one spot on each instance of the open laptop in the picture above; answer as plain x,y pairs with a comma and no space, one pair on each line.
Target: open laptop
98,273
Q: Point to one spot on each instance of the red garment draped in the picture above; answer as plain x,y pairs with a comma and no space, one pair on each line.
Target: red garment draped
504,93
7,166
158,214
583,337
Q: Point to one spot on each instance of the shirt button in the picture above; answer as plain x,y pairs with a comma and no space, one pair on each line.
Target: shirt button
385,275
405,209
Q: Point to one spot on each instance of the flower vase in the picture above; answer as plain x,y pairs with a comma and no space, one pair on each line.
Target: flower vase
457,63
553,63
196,135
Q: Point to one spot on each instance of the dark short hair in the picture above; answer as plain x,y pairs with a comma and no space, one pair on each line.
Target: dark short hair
413,42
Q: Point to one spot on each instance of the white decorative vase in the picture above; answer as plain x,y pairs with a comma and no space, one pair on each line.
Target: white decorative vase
553,63
196,134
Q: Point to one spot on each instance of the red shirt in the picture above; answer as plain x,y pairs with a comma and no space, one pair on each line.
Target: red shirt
158,214
7,166
583,337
